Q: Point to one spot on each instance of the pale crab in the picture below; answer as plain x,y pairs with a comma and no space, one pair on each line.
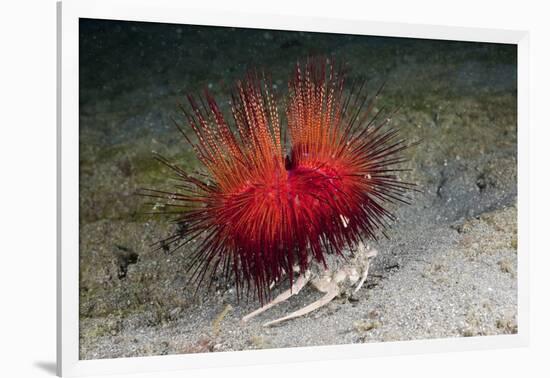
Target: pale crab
334,281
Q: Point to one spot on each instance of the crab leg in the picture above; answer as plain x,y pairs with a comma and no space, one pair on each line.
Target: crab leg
370,254
363,278
300,282
329,296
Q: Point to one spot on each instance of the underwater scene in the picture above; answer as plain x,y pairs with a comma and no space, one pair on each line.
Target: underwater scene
249,189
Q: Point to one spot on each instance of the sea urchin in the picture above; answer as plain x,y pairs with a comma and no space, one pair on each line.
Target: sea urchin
268,205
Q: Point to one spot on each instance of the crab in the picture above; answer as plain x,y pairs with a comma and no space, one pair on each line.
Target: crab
336,280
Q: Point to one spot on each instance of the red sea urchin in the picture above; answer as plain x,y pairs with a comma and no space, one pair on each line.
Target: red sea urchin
261,211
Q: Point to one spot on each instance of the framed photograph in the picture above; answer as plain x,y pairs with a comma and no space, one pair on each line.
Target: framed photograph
241,189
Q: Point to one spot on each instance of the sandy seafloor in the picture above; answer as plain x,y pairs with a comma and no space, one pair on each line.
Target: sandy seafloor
449,267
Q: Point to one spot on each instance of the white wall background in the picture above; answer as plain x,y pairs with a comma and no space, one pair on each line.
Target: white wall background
28,169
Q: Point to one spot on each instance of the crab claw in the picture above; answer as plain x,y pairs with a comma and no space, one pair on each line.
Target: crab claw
298,285
329,296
